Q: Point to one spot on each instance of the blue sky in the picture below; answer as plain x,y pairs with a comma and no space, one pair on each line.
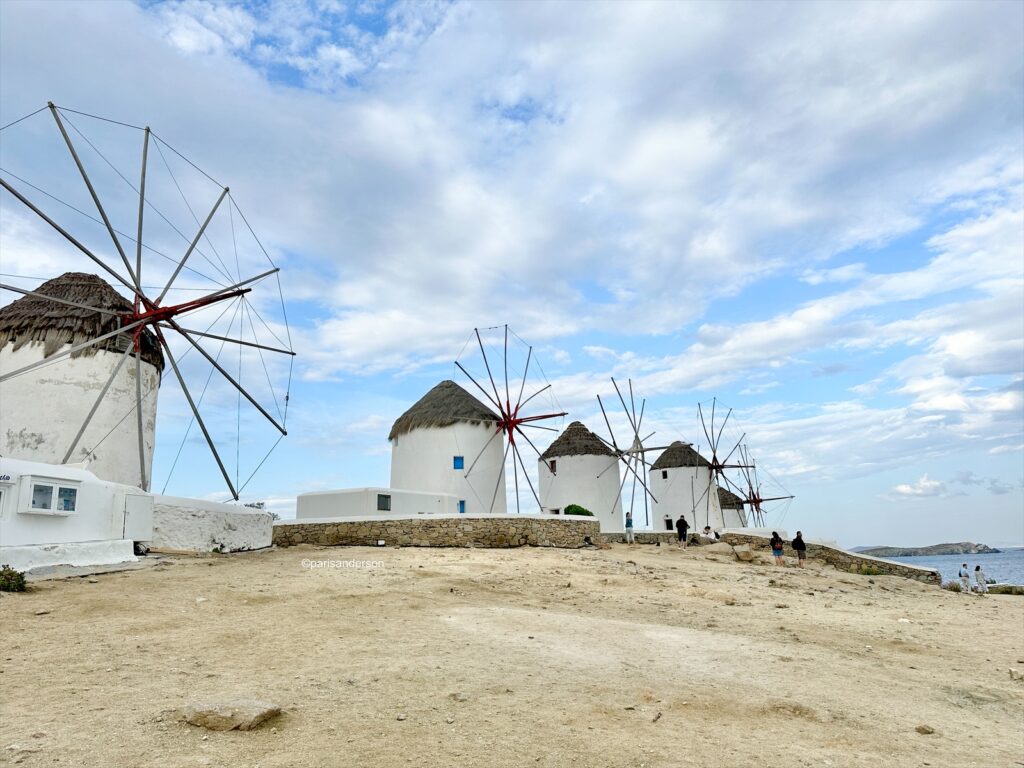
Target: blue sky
812,212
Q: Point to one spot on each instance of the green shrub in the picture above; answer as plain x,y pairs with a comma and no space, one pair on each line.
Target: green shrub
11,580
952,586
870,570
576,509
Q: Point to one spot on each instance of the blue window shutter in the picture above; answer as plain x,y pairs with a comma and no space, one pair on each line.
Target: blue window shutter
462,506
458,462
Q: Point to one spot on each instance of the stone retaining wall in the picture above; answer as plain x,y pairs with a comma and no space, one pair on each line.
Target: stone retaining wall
642,537
441,531
843,560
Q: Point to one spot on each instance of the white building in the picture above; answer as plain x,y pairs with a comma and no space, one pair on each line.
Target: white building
448,443
682,482
733,514
53,515
373,502
42,410
578,468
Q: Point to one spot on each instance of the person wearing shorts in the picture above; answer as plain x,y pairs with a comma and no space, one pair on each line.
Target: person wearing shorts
776,545
800,548
681,528
629,527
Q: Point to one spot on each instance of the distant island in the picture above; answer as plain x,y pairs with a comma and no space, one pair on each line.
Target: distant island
960,548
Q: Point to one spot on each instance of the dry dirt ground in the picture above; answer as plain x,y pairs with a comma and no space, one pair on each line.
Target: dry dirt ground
626,657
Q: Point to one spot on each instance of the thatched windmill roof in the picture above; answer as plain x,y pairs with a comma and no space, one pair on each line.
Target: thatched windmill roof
729,500
577,440
31,319
444,405
680,455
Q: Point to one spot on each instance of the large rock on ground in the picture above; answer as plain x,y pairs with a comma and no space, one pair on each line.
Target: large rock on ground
718,548
744,553
238,714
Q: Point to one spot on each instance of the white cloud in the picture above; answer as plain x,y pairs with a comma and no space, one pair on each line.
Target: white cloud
923,488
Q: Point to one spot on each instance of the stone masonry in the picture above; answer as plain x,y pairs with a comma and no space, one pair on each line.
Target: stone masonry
460,531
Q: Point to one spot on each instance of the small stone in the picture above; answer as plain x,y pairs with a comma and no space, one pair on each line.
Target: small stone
656,718
94,581
42,612
400,717
630,709
925,730
449,720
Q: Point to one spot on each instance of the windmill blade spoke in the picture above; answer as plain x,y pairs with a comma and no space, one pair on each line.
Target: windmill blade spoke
607,424
632,495
195,412
487,365
477,383
144,480
526,371
192,246
643,405
501,476
515,472
538,426
142,208
526,437
648,490
96,405
95,197
718,439
542,389
526,474
228,376
489,441
703,426
632,421
47,297
647,515
70,351
632,405
726,459
67,236
238,341
508,397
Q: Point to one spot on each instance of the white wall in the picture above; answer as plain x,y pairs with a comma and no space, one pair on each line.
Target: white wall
421,460
362,502
103,513
680,492
41,412
192,525
590,481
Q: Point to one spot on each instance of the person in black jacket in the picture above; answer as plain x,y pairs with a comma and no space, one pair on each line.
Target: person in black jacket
681,528
800,548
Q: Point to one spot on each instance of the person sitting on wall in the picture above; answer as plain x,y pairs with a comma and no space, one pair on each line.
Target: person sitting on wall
707,533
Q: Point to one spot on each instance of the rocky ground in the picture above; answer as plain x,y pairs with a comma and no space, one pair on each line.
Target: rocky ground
629,656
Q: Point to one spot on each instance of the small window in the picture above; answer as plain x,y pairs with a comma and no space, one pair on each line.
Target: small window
552,465
67,499
383,502
664,474
668,524
556,511
42,496
462,506
458,462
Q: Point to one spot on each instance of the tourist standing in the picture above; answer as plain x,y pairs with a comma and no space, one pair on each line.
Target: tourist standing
965,579
629,527
681,528
979,578
801,549
776,545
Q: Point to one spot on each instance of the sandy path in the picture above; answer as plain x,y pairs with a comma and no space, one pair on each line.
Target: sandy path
625,657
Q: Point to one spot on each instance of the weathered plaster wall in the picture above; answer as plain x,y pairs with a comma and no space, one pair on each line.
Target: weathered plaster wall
688,491
27,558
442,531
362,502
421,460
590,481
191,525
42,411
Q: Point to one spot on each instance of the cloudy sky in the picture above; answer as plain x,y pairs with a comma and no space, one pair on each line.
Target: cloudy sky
811,212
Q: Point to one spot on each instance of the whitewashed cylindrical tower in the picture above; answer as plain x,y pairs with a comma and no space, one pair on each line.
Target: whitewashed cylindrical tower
577,468
448,443
733,514
682,482
42,410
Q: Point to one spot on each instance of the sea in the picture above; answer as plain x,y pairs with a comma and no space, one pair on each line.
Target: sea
1006,566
